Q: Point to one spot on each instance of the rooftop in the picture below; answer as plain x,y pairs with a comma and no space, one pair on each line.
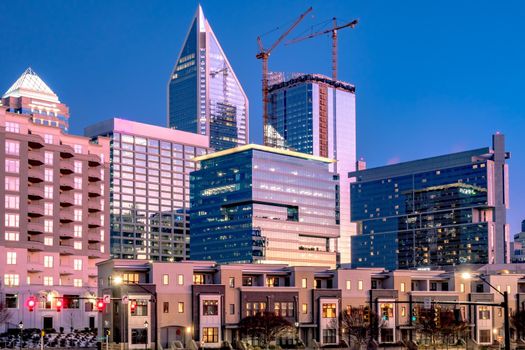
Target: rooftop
313,78
29,84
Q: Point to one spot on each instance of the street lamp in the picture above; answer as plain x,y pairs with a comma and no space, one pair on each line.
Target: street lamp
146,324
21,327
504,304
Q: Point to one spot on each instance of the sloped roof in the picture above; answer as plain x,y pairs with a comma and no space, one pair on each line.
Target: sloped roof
29,84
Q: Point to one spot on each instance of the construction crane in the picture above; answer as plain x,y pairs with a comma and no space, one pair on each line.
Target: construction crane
263,55
332,30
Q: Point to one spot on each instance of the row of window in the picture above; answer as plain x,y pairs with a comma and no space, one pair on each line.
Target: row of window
13,280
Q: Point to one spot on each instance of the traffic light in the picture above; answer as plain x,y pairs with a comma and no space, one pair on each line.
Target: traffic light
100,305
437,316
133,306
58,304
366,314
31,303
414,314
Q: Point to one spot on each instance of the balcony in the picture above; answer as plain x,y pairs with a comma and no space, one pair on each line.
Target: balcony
65,270
35,174
35,244
66,151
94,174
35,157
66,231
92,271
93,160
67,166
94,190
35,210
67,215
34,266
67,183
94,220
35,192
66,247
93,235
94,251
94,205
35,141
35,227
66,199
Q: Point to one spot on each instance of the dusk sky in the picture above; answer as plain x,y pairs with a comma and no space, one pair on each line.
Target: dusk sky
431,77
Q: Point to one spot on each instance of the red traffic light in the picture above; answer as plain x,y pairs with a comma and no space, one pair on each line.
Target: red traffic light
133,306
100,305
31,303
58,305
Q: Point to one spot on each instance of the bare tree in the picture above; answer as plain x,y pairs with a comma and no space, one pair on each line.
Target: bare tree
359,327
266,327
518,323
439,325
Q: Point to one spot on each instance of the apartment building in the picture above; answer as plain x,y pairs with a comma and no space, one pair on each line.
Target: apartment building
204,302
55,211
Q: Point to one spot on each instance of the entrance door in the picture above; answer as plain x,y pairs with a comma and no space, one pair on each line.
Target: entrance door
47,322
91,322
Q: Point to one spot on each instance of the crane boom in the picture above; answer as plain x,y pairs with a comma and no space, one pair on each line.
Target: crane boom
263,55
332,30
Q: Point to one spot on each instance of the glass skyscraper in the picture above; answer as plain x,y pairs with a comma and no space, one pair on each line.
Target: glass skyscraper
441,211
265,205
204,95
316,115
149,188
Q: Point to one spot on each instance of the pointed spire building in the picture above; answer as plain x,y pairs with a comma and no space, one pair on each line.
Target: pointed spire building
32,96
204,95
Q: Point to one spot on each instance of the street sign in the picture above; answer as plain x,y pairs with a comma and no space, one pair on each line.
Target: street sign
427,303
125,299
106,299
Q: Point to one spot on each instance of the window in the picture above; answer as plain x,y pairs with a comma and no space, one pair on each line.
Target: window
48,175
48,192
462,287
48,280
78,214
284,309
11,258
360,285
77,183
78,167
210,335
12,147
253,309
210,308
77,245
402,286
484,313
11,280
166,307
130,278
180,307
12,202
12,183
141,308
48,241
48,261
329,310
12,127
12,236
77,282
11,301
403,311
165,279
232,309
305,308
12,220
374,284
508,289
348,285
48,138
12,165
329,336
139,336
77,148
77,264
48,209
77,198
48,226
48,158
232,282
484,336
304,283
387,335
272,281
180,280
77,231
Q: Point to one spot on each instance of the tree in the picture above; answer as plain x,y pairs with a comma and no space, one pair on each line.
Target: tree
266,327
360,326
518,323
439,324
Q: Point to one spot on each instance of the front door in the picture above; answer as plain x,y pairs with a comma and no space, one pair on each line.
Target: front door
47,323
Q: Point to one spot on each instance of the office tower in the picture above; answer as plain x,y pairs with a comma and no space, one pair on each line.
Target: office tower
518,251
313,114
261,204
30,95
55,213
441,211
204,95
150,188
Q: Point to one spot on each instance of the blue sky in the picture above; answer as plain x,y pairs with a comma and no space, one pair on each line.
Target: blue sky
431,77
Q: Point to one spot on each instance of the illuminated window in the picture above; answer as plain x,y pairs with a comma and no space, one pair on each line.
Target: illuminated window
12,165
12,127
329,310
12,236
165,279
360,285
180,307
210,335
77,245
78,166
12,202
48,280
12,147
48,192
348,285
77,264
180,280
77,282
48,175
48,209
210,307
304,308
12,183
304,283
11,280
48,226
48,158
48,261
48,241
11,258
77,231
12,220
402,286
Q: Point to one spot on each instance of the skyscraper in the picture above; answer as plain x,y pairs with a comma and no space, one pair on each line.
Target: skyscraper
440,211
149,182
204,94
316,115
261,204
30,95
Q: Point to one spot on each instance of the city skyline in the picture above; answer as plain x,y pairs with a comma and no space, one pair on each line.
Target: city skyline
469,81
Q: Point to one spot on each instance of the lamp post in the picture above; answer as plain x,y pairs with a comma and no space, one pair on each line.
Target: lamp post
146,324
21,327
504,304
118,280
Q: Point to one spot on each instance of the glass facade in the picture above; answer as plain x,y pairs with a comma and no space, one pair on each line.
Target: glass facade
434,212
263,206
204,95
